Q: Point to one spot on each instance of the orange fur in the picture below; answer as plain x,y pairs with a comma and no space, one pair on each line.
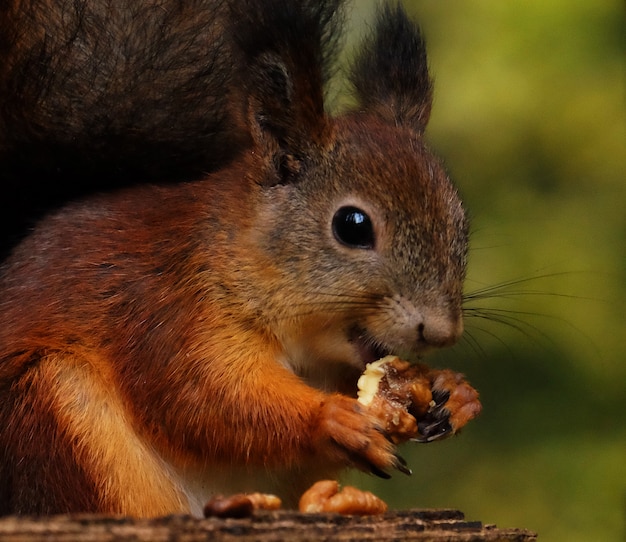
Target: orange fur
133,478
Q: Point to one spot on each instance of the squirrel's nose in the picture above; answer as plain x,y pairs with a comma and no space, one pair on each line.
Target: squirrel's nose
439,329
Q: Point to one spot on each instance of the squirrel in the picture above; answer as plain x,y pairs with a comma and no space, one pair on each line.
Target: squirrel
195,320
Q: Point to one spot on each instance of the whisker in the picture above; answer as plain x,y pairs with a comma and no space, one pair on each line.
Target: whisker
469,311
487,311
493,336
504,290
497,303
494,294
513,282
338,305
506,318
473,343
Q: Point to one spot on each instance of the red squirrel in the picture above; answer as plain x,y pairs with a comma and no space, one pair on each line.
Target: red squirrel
164,342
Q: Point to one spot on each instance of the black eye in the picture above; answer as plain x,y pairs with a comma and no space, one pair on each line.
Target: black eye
353,228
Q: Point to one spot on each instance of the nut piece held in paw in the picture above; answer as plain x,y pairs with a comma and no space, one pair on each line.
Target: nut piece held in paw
240,505
396,381
386,390
414,402
325,496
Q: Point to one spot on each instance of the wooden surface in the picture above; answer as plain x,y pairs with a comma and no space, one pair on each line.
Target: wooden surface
421,525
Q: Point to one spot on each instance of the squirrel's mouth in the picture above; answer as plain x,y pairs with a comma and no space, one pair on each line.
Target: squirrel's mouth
368,348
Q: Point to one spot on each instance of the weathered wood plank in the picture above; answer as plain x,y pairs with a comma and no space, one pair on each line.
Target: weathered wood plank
410,525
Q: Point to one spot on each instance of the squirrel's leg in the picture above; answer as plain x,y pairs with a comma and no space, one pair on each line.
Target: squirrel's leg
70,446
247,409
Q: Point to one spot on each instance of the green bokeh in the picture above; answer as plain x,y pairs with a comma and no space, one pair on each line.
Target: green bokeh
530,117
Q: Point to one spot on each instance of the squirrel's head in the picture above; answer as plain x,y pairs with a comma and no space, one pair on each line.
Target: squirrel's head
364,233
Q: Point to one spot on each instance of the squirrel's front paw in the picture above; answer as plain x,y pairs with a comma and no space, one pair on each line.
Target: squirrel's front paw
348,435
418,403
453,403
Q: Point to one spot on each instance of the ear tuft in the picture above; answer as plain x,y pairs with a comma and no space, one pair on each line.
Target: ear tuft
390,75
288,48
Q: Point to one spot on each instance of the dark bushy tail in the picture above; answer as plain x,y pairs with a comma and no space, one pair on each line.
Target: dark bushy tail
100,94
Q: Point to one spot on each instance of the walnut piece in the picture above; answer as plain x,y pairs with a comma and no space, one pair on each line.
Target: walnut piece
414,402
240,505
325,496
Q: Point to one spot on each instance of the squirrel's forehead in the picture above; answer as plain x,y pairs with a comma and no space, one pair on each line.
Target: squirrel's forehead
391,172
370,129
377,148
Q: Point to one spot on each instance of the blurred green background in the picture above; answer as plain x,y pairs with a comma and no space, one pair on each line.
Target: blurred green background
529,116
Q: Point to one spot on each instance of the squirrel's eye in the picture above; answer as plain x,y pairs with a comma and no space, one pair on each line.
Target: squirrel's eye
352,227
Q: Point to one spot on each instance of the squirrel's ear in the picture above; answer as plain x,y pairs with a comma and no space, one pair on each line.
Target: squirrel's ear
390,75
288,48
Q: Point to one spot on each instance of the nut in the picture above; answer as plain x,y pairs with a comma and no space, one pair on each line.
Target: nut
240,505
395,392
325,496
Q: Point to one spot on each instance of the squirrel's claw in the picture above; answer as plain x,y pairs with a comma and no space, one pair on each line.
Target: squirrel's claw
399,464
431,430
435,425
402,466
454,403
379,472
